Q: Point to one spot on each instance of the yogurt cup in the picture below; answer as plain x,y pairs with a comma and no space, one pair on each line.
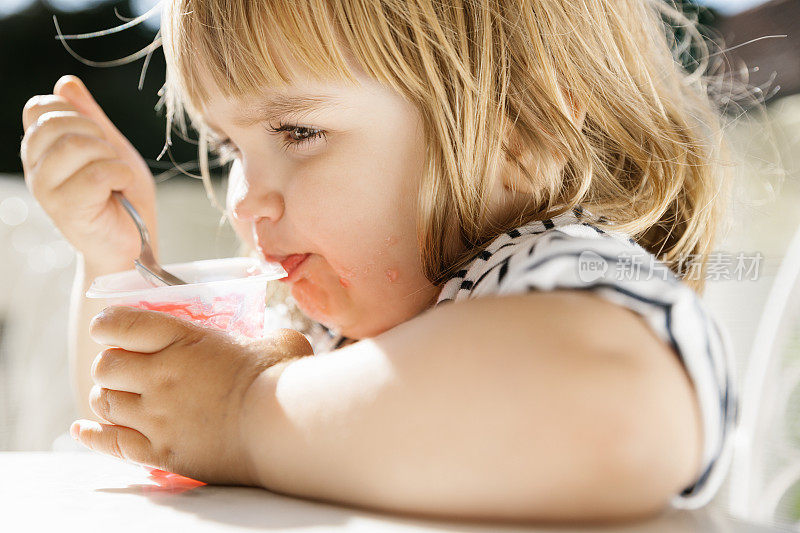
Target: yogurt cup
227,294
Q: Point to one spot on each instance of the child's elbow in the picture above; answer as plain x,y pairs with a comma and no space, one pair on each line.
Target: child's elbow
623,487
660,453
642,456
636,492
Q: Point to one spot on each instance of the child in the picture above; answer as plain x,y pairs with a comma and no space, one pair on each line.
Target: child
458,190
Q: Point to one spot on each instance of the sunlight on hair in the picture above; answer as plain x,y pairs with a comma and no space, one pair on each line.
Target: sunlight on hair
496,81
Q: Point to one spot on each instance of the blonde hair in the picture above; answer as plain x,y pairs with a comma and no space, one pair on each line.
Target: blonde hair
498,82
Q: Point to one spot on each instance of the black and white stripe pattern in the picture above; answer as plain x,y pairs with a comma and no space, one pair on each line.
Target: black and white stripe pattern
548,255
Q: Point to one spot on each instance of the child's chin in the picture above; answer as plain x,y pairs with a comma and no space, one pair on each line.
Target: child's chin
312,300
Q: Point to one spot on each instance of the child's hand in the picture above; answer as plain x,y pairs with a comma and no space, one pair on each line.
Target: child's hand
73,157
173,392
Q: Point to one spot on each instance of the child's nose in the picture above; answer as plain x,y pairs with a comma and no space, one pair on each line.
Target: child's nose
252,207
249,200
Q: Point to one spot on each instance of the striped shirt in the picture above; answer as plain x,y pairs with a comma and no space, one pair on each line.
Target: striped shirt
570,252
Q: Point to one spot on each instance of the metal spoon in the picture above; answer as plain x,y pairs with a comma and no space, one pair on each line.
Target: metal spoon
146,264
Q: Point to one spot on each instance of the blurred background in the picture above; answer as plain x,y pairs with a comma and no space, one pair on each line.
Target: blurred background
762,312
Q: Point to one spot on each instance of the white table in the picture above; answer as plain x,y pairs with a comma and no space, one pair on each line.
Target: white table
89,492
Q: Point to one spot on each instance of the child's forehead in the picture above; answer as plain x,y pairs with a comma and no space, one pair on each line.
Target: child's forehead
301,95
277,64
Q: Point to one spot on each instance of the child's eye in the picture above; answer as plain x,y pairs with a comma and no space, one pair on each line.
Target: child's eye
297,135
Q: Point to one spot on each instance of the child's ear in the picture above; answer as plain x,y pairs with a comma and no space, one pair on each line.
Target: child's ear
537,163
578,110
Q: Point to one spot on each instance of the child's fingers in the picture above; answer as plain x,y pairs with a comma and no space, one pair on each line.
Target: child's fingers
64,157
139,330
72,89
117,407
122,370
41,104
92,184
75,92
50,126
119,441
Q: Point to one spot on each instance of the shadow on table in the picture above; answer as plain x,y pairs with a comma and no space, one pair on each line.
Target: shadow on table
261,509
239,506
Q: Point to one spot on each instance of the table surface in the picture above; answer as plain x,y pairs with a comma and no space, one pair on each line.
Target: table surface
54,491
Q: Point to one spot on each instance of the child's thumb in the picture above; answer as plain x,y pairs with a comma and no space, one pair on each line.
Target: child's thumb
73,89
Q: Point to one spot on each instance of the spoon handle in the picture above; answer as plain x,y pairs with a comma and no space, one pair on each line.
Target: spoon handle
147,264
140,225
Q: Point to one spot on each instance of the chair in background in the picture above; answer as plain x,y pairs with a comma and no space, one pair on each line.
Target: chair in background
765,472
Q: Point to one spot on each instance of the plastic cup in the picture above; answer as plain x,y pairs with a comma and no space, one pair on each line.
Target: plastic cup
227,294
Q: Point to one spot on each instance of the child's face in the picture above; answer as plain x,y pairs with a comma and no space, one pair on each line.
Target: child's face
348,198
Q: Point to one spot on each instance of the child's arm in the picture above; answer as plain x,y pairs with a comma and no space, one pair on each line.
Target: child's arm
543,406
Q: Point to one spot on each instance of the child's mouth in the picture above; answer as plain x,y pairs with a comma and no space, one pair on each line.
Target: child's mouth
291,265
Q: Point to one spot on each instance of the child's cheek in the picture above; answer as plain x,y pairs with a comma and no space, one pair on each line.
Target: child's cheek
376,263
392,274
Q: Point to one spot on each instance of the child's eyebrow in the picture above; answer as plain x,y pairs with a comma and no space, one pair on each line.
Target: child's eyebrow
277,105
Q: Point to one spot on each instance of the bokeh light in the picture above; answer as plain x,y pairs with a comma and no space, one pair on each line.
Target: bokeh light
13,211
